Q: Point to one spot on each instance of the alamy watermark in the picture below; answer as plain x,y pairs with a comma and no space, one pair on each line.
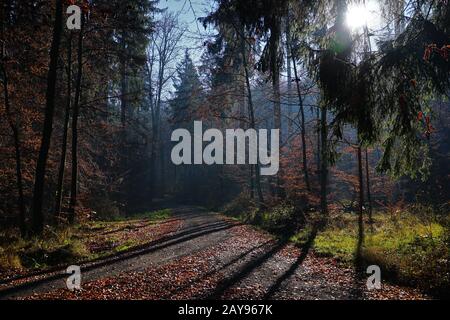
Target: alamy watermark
74,19
233,151
374,281
73,282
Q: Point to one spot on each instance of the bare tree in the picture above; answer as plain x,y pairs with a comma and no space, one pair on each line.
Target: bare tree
164,48
302,124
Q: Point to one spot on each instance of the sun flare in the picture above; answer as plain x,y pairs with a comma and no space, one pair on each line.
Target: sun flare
358,16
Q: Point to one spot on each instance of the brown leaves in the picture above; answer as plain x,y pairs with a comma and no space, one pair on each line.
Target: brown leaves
433,48
426,121
198,275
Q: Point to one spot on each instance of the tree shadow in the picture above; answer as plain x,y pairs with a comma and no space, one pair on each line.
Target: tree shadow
165,242
304,253
358,265
208,274
247,269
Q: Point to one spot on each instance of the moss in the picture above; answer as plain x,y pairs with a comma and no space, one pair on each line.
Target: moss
66,245
337,243
152,215
408,248
125,246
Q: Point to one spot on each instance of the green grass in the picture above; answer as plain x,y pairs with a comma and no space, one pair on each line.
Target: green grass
409,249
147,215
65,245
125,246
410,246
54,247
153,215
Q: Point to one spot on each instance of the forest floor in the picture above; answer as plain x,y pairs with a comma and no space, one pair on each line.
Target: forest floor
87,241
211,256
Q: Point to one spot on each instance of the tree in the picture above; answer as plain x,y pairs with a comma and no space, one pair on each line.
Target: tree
75,115
38,194
302,119
62,164
13,124
188,89
262,18
251,110
184,106
165,43
133,25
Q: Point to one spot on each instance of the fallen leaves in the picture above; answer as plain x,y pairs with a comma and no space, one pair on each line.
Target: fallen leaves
199,275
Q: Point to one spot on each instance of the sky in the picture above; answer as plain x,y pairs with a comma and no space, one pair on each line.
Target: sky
189,11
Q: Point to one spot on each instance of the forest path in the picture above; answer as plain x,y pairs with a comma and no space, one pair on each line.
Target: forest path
212,257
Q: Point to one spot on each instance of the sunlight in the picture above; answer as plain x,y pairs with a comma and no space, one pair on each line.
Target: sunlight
357,16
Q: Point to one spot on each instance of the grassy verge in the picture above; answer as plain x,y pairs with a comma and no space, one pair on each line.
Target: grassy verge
90,240
411,246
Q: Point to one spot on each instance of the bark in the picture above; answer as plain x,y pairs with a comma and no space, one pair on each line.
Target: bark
318,143
17,155
162,184
369,196
75,115
62,164
252,121
303,125
324,162
123,86
361,196
289,56
252,183
152,171
38,193
275,72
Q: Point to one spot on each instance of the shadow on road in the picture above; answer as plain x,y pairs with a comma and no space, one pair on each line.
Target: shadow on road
196,231
247,269
304,253
208,274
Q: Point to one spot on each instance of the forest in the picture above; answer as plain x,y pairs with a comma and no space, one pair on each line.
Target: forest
348,99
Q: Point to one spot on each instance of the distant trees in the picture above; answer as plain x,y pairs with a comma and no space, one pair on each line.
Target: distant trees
114,90
184,109
163,50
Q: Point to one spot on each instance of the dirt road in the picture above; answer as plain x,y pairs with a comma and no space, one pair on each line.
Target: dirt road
210,257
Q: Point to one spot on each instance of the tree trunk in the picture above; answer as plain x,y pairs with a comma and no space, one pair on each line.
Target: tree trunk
275,72
62,164
361,196
318,144
324,162
162,181
123,87
303,125
252,119
38,193
15,131
75,114
153,137
252,183
289,56
369,196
